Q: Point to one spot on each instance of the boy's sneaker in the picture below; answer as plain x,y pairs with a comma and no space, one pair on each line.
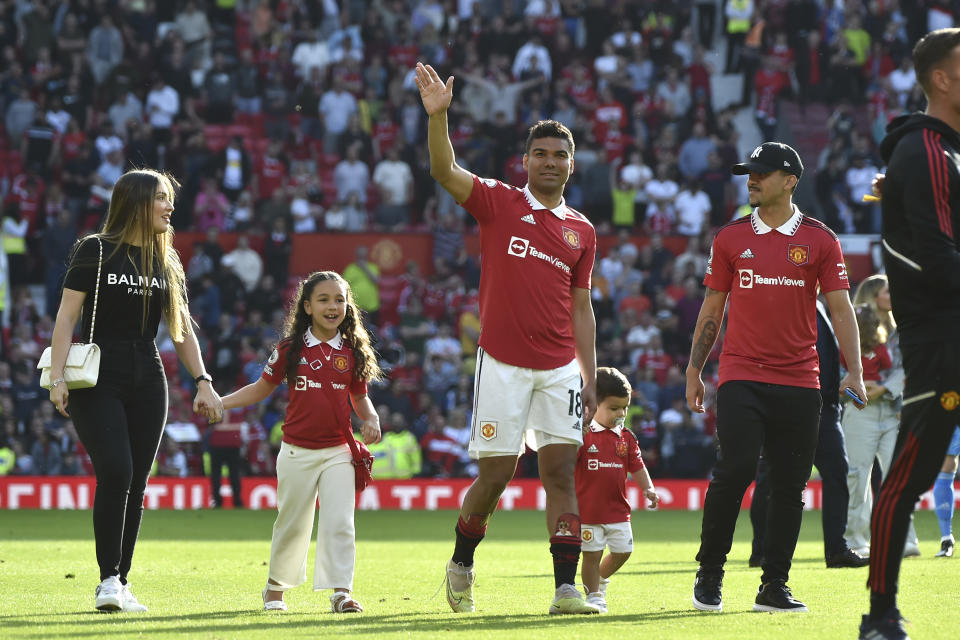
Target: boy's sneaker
707,588
597,599
911,550
130,603
109,595
775,596
603,586
889,627
946,547
569,600
460,587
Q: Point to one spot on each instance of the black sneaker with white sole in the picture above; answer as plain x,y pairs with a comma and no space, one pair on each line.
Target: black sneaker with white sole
946,548
775,597
888,627
707,589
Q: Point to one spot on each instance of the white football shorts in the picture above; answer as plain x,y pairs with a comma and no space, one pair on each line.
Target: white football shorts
618,536
513,406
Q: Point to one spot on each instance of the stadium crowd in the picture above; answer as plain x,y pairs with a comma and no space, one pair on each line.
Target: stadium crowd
283,116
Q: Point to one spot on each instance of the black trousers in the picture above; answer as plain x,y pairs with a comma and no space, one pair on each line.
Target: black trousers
781,420
931,409
831,461
229,456
120,422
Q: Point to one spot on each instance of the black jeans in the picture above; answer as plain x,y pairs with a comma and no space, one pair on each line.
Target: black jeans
831,461
782,421
229,456
120,422
931,408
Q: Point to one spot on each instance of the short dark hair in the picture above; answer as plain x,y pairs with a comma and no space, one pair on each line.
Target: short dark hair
930,51
611,382
549,129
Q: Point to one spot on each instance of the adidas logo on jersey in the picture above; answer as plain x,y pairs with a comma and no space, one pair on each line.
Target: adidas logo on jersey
528,218
747,254
593,449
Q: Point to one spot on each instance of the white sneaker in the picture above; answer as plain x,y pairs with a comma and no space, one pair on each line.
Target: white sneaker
597,599
272,605
130,602
568,600
110,595
460,581
911,550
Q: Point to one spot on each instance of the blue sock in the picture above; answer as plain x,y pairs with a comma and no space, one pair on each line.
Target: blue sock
943,501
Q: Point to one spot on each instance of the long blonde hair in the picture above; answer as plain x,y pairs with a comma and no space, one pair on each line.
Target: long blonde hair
867,292
130,221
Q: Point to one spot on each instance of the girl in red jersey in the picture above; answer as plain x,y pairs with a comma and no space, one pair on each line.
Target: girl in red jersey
609,452
326,359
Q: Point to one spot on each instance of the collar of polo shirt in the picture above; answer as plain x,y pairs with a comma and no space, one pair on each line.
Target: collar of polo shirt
536,205
788,228
311,340
596,427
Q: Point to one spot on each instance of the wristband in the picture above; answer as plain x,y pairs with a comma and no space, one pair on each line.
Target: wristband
53,385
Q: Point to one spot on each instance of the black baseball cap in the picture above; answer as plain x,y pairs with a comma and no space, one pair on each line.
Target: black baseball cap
771,156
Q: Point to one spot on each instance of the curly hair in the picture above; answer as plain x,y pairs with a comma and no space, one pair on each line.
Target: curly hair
365,365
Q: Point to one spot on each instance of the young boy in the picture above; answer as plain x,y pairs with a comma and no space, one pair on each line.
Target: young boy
609,451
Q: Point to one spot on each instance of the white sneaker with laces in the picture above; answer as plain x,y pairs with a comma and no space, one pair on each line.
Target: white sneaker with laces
130,602
597,599
272,605
109,595
460,581
568,600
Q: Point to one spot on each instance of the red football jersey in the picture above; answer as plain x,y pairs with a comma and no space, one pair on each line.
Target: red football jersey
772,277
319,410
601,474
531,258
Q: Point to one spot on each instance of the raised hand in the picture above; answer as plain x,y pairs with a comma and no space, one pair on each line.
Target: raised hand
434,93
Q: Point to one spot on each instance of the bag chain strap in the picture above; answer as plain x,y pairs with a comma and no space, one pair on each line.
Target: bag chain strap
96,291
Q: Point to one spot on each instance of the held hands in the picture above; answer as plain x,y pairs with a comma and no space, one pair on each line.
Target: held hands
434,93
652,495
208,403
588,395
370,430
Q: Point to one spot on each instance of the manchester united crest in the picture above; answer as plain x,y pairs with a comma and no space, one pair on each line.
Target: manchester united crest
950,400
798,253
571,237
488,430
587,535
341,363
622,448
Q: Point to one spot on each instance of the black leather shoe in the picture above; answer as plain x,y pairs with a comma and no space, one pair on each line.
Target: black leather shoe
889,627
848,558
775,596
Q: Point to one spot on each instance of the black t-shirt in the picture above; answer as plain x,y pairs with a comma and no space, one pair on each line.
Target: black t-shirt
122,291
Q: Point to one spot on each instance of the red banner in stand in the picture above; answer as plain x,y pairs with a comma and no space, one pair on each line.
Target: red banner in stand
62,492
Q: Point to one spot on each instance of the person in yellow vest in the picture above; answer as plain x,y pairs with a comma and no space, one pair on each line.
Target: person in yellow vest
8,459
738,13
364,278
397,455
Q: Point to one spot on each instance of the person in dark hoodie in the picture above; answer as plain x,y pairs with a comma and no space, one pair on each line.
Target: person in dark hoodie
921,242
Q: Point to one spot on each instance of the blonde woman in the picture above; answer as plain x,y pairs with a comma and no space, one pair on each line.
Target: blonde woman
872,433
120,421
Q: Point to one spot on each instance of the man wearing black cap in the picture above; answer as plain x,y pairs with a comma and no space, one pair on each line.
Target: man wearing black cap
770,265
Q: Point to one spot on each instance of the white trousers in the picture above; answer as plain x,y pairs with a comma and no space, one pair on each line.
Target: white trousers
869,433
303,476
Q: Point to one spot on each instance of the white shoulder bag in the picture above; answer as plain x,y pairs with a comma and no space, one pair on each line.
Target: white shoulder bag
83,360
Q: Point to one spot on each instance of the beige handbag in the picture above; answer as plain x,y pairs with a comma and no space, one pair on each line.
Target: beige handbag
83,360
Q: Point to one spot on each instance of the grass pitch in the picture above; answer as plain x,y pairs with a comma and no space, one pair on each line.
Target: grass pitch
201,573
